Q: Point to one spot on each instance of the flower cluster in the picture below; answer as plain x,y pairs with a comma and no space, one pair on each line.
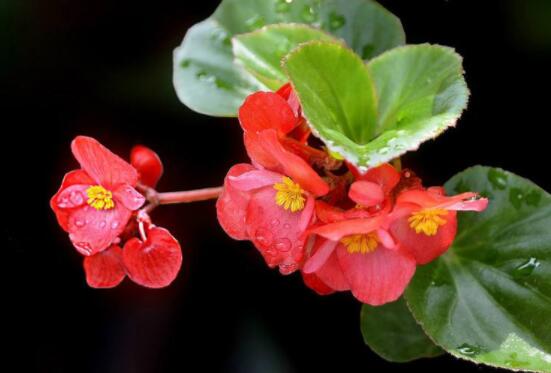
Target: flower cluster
99,206
345,230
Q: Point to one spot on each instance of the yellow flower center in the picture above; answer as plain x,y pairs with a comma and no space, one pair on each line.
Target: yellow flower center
427,221
100,198
289,195
361,243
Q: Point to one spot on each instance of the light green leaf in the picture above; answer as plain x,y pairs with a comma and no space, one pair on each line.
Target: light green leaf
406,96
261,51
208,81
392,332
488,299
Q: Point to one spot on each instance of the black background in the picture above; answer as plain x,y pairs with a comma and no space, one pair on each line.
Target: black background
103,68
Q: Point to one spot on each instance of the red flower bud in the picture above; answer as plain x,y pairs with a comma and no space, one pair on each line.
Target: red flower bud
148,164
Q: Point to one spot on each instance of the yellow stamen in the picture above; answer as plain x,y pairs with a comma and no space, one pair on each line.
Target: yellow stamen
427,221
289,195
361,243
100,198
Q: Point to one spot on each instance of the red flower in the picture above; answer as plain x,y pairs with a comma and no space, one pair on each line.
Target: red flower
95,202
148,164
425,220
271,202
354,250
154,263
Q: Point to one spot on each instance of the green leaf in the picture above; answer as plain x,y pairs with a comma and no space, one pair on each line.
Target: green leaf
208,80
488,299
261,51
392,332
376,112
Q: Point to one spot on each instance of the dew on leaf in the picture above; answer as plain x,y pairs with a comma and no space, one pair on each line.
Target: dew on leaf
255,22
309,14
526,268
283,6
533,198
469,350
367,51
336,21
185,63
497,178
516,197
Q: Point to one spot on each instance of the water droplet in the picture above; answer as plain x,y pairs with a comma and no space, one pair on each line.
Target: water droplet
497,178
84,247
526,268
222,84
255,22
286,269
203,75
102,224
533,198
287,226
80,223
336,21
76,198
185,63
516,197
283,6
469,350
367,51
283,245
221,36
275,223
115,225
63,202
309,14
263,237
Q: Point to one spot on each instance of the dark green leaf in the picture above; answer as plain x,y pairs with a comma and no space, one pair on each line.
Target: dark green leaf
392,332
488,299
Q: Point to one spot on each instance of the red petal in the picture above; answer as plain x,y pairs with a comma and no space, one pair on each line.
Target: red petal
433,198
258,153
320,253
155,263
92,231
147,163
336,231
129,197
331,273
254,179
313,282
292,165
101,164
384,175
328,213
231,206
266,110
71,178
366,193
425,248
378,277
286,91
275,231
105,269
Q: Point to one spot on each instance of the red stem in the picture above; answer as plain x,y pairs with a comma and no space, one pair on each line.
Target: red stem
188,196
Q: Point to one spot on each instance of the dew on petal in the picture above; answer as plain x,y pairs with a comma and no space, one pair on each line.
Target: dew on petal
84,247
264,237
283,244
79,223
76,198
115,225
